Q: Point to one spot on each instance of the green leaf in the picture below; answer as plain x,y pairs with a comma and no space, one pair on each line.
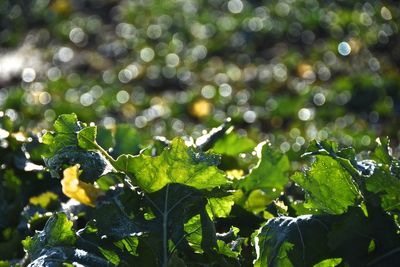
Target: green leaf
57,232
193,231
257,201
66,127
67,256
127,140
287,241
176,164
383,183
92,163
68,146
383,176
175,205
233,144
87,138
328,186
123,206
329,262
220,207
270,174
381,153
67,123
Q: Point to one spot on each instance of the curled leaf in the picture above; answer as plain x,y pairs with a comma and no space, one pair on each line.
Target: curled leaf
83,192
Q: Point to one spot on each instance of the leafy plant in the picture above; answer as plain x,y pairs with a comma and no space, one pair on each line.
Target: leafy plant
176,203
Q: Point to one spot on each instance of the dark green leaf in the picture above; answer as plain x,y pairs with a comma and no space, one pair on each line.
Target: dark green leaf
57,232
92,163
123,207
67,256
287,241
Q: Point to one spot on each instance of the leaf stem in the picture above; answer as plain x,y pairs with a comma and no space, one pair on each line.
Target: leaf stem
102,151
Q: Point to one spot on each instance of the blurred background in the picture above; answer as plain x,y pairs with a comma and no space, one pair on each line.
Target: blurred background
289,71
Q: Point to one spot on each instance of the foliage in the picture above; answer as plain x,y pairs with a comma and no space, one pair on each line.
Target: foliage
174,205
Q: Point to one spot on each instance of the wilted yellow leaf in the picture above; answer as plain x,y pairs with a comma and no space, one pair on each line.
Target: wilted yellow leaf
83,192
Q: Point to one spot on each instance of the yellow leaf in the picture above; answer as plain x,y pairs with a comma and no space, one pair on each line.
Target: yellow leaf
83,192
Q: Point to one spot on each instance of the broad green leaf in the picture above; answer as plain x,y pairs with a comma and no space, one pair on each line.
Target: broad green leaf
129,244
87,138
328,186
270,174
233,144
57,232
173,207
176,164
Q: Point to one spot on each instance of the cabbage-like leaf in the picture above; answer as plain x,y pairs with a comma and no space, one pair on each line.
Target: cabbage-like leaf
176,164
69,144
329,187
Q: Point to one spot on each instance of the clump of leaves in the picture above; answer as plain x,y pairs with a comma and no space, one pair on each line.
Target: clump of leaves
354,213
172,204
